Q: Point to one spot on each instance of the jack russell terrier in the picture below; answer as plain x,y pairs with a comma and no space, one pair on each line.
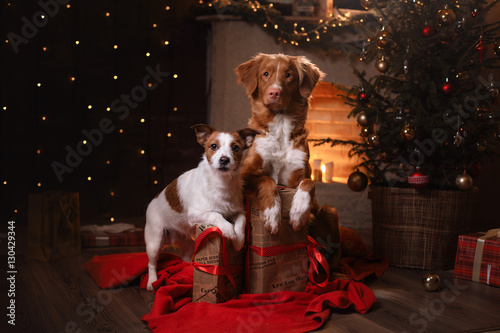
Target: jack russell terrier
211,193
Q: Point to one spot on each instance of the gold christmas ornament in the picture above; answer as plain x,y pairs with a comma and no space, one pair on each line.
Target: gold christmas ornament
446,17
363,119
365,131
407,132
464,182
382,65
431,282
383,39
357,181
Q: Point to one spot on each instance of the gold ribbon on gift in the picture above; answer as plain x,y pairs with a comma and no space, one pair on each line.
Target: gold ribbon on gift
478,256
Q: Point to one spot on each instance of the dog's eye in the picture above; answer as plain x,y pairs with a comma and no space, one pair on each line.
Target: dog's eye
266,74
287,75
235,148
213,146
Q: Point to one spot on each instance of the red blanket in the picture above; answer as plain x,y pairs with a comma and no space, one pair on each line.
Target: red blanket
273,312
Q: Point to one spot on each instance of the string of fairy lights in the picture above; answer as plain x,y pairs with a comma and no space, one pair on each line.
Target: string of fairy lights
287,30
43,172
297,31
294,30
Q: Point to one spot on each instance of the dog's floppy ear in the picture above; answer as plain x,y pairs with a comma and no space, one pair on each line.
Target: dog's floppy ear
247,135
309,75
202,133
248,73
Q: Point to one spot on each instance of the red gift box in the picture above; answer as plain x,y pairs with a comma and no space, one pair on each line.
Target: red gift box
478,257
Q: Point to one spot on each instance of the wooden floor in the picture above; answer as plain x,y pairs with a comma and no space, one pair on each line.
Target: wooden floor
59,296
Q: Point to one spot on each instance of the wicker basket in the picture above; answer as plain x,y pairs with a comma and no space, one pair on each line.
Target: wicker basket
420,229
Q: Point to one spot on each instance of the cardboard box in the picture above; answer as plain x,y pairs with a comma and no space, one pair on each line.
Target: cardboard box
478,257
213,288
287,271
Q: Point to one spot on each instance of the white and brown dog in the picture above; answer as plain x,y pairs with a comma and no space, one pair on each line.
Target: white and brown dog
211,193
279,87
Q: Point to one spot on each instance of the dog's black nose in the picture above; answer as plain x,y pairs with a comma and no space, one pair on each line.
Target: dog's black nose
224,160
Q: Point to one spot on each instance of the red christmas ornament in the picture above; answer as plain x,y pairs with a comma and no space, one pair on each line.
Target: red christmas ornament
363,96
427,31
419,179
447,88
481,49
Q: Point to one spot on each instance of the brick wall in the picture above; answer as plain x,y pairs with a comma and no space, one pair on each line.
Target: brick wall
328,119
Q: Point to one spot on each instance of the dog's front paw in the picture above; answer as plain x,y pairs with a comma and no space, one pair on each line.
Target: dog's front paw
228,231
300,210
239,230
271,217
151,279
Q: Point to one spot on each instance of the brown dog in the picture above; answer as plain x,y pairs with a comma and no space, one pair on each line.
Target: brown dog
279,87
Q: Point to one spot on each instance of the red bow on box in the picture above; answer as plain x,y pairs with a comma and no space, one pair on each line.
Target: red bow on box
225,268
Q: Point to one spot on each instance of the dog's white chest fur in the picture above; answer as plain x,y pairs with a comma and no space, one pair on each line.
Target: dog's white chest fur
203,190
276,149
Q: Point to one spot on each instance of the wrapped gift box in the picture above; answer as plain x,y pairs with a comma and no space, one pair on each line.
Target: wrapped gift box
280,272
478,257
218,273
116,234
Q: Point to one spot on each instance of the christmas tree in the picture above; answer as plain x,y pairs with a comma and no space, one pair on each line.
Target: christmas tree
432,113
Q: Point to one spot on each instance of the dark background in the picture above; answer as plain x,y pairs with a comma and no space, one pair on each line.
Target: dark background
123,186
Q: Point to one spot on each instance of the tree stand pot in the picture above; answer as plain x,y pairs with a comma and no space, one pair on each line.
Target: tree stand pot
420,229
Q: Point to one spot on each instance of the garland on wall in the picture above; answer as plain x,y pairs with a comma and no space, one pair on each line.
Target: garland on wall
312,33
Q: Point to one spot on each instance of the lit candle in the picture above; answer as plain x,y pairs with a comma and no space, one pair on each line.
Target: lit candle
317,164
329,172
318,174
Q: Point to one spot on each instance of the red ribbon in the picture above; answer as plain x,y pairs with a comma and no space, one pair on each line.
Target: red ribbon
225,268
315,257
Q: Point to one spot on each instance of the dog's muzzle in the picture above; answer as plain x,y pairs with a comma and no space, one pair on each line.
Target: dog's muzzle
224,163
